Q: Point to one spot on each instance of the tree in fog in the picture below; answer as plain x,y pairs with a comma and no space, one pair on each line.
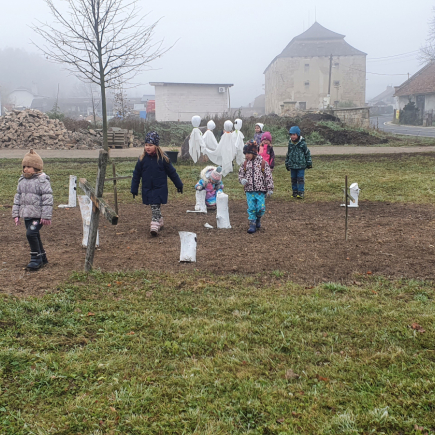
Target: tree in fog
427,52
104,42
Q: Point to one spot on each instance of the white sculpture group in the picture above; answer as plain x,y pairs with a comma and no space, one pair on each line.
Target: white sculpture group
222,153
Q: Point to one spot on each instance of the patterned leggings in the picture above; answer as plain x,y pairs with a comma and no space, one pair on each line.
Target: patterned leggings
157,214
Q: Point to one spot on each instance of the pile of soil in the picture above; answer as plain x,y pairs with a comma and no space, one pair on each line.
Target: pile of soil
303,240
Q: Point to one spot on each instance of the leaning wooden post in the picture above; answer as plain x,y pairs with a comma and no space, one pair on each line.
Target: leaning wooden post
346,205
115,192
95,217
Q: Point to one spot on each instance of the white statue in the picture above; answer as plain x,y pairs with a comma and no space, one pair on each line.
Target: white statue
239,142
196,141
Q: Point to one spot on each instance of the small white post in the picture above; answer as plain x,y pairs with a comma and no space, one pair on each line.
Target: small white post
72,197
86,211
222,214
188,247
354,192
200,201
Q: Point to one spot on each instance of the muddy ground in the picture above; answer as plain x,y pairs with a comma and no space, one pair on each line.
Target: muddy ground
302,239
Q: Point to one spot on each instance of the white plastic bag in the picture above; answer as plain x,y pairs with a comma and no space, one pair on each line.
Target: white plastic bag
222,214
188,247
86,211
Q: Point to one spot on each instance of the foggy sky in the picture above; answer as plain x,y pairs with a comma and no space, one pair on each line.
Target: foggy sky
234,41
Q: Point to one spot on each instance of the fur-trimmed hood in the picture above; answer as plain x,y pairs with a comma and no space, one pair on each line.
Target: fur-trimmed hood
205,173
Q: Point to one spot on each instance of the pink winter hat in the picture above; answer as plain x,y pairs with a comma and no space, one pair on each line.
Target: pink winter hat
266,136
216,176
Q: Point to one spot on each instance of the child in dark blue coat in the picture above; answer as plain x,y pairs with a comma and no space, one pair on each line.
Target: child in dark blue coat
154,168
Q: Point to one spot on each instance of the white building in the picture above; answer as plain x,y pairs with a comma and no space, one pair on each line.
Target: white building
180,101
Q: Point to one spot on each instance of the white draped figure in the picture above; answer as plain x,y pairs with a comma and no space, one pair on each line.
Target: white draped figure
210,141
196,141
239,142
227,149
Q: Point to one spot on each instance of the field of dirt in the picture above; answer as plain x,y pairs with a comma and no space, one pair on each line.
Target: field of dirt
304,240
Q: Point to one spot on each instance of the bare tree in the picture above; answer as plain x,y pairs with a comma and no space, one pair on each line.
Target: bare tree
427,52
100,41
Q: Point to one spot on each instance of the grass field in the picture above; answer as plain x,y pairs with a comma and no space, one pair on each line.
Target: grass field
394,178
193,354
176,353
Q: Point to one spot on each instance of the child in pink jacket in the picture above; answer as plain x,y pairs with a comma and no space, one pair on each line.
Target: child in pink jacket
266,149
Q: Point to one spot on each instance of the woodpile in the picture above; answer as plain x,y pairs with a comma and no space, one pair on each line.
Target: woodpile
34,129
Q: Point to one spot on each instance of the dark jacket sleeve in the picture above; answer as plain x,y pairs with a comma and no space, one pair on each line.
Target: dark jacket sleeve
171,172
135,181
308,156
272,157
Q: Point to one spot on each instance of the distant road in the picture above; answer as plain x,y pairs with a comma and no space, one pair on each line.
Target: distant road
408,130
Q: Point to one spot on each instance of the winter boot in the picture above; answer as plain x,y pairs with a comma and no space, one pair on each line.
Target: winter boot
35,261
161,222
258,222
252,227
300,195
295,194
154,228
44,258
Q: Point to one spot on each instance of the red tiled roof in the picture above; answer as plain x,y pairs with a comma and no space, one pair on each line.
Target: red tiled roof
422,82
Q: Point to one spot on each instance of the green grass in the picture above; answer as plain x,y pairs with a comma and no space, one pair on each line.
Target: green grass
142,353
408,178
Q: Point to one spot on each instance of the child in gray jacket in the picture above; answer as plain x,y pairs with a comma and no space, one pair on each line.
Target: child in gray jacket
34,203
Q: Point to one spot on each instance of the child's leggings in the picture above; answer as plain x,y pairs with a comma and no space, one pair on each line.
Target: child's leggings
33,226
256,204
156,213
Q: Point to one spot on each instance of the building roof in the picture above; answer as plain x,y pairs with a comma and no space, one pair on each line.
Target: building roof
388,93
196,84
422,82
318,41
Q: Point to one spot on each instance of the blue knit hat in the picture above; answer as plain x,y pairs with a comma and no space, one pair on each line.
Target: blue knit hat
295,130
153,138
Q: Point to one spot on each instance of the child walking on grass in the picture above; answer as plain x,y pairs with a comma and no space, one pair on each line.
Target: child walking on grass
256,177
154,168
34,203
298,159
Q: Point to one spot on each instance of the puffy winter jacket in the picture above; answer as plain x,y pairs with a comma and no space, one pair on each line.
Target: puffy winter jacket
154,174
298,155
34,197
258,181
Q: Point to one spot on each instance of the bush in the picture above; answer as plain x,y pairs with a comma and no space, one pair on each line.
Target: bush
315,138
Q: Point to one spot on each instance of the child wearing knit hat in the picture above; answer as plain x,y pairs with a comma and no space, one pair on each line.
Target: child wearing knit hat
153,169
34,203
211,182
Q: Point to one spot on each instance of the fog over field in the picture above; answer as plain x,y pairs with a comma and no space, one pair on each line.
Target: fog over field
230,42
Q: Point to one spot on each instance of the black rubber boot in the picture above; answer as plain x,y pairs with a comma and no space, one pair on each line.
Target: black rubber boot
252,227
258,222
44,258
35,261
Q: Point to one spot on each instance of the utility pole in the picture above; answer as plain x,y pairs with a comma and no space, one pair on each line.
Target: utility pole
330,74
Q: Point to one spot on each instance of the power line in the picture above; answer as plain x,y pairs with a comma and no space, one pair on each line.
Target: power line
394,55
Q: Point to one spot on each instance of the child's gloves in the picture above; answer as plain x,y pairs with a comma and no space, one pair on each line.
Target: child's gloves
199,187
180,189
269,192
17,221
45,221
309,166
244,181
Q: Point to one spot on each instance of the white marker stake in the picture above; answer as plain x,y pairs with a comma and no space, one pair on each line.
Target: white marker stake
188,247
72,197
354,191
222,215
86,210
200,206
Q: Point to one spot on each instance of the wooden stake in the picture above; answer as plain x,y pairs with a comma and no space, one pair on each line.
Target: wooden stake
346,206
95,217
115,192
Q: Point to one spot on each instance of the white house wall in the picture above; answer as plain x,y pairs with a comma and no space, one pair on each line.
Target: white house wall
181,102
307,79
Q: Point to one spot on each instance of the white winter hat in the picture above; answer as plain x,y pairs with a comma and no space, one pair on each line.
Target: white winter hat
260,125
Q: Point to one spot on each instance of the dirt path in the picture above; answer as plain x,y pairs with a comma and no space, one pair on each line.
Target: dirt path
279,151
303,240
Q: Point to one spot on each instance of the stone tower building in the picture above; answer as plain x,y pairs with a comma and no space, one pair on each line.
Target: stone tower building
313,63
